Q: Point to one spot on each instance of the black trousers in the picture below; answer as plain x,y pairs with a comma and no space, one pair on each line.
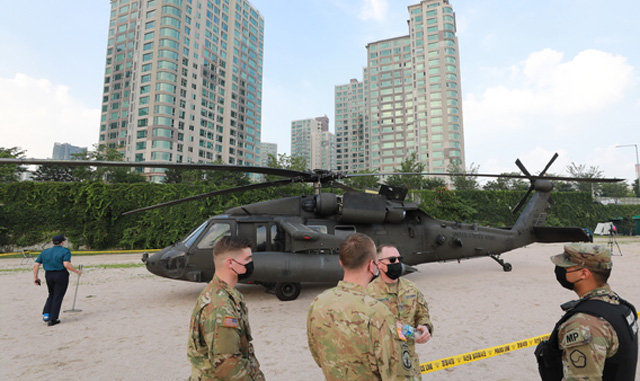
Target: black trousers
57,282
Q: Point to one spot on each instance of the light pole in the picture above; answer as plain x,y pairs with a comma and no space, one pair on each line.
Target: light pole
637,162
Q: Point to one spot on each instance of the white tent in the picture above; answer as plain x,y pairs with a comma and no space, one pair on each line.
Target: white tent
604,228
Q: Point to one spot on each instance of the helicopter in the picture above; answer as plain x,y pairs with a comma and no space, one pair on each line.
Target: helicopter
295,240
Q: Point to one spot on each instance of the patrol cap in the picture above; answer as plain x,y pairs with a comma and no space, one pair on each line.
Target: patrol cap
588,255
58,239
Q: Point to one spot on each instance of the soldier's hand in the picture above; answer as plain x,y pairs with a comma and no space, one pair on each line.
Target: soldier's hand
424,334
36,281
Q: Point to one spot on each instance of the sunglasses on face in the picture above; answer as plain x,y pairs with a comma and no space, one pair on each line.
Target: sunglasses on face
393,259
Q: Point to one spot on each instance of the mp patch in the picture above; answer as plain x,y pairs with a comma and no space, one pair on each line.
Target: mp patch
576,337
578,359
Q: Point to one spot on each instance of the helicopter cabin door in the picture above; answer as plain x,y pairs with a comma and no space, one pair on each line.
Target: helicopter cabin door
268,237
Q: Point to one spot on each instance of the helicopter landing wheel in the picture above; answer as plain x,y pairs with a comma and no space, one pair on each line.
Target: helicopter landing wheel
287,290
505,266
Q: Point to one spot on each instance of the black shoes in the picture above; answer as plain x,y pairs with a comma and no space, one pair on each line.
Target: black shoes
53,322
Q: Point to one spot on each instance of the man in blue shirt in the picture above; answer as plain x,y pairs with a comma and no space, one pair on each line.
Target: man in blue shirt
56,261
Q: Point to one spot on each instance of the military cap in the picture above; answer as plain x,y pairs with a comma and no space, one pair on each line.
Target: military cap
590,256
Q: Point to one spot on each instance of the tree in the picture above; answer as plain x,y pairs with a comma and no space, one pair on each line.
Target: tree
464,182
582,171
53,173
617,190
411,164
10,172
363,182
506,183
636,191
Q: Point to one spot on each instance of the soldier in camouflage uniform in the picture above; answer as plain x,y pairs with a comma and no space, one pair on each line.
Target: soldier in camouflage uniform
219,346
402,298
597,338
351,335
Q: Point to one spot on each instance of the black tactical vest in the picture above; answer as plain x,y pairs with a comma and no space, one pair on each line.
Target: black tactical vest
621,366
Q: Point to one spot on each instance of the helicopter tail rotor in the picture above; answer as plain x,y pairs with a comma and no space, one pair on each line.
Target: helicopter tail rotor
531,179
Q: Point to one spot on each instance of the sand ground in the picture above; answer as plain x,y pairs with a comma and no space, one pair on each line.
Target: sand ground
134,325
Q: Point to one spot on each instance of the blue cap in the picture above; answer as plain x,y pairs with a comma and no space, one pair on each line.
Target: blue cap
58,239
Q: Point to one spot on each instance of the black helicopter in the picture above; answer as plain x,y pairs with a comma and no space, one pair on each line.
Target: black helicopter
296,239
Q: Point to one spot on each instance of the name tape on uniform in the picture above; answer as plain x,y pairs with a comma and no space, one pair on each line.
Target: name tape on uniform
449,362
85,252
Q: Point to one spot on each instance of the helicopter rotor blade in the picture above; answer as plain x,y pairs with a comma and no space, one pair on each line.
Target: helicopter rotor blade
558,178
158,164
217,193
555,156
522,200
523,169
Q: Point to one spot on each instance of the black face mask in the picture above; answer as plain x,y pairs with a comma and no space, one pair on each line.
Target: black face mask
394,270
249,270
561,276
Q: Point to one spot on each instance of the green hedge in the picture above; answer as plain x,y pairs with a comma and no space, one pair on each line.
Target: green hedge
89,213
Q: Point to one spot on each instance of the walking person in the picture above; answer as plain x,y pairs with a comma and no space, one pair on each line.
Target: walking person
56,260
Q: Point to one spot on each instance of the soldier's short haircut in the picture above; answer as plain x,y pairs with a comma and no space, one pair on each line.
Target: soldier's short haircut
228,243
356,251
379,248
601,276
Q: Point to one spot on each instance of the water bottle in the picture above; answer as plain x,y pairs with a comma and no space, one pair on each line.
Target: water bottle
408,331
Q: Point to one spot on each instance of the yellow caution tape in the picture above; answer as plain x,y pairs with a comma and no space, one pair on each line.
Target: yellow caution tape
86,252
448,362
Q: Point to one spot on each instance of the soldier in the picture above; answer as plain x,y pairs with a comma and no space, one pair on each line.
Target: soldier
402,298
219,346
351,335
597,338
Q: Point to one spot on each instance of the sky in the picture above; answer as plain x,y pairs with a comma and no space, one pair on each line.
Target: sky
538,77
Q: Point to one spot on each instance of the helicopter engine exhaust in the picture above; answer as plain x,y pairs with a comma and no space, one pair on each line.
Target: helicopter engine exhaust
295,267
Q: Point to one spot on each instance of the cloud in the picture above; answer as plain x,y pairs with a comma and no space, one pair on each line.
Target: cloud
373,10
35,113
547,85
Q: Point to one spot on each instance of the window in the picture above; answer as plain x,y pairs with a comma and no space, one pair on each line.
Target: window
213,234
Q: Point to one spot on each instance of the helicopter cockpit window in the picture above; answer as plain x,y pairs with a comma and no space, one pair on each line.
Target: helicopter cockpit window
319,228
194,235
261,238
215,232
344,231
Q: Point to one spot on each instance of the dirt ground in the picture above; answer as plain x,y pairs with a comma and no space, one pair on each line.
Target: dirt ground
134,325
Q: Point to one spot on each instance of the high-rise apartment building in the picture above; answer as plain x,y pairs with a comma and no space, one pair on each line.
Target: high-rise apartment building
311,140
352,138
183,81
65,151
412,96
267,149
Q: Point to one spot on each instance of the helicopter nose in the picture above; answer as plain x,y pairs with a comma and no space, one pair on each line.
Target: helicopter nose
170,262
406,269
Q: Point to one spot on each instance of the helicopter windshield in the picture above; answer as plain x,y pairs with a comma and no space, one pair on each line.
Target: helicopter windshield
213,234
188,241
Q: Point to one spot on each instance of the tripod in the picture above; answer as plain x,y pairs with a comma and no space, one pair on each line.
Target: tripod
613,242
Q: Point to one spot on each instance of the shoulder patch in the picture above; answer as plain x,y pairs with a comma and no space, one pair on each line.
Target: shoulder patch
578,359
230,322
576,337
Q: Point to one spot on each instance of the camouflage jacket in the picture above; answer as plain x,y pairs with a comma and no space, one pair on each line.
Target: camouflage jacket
219,346
406,303
587,341
354,337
